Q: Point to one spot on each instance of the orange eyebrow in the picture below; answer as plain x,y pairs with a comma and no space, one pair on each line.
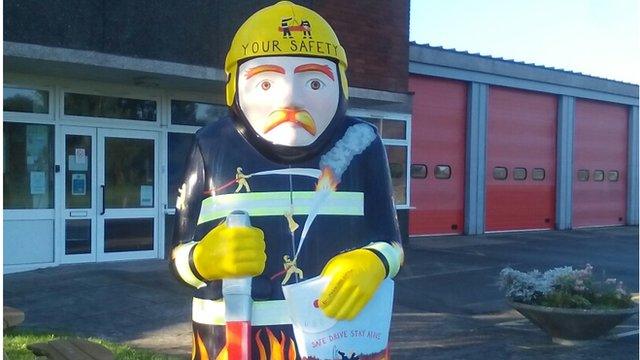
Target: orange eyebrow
315,67
262,68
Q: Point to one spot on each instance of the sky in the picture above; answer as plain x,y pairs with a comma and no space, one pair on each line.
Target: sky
595,37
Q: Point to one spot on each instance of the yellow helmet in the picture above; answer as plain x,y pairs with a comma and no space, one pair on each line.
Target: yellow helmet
280,30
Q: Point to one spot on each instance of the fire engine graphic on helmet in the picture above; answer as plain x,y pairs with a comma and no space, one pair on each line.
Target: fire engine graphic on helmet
289,24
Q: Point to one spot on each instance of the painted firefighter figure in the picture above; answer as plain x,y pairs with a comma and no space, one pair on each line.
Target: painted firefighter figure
300,160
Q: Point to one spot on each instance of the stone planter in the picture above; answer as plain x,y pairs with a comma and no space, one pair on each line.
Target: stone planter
568,326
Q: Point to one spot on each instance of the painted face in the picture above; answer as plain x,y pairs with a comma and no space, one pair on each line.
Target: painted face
288,100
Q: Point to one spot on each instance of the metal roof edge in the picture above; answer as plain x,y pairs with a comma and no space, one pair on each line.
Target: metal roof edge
109,61
439,56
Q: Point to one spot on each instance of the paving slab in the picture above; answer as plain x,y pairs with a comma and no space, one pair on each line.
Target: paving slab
448,304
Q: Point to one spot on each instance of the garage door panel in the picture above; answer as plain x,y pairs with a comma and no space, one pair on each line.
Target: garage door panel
438,130
521,134
600,143
514,205
434,222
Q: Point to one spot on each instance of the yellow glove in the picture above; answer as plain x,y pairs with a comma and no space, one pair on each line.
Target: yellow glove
355,277
230,253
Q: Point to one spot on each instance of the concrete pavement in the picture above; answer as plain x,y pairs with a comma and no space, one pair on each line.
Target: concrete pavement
448,304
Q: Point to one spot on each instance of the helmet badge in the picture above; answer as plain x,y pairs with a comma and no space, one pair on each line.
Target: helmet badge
289,24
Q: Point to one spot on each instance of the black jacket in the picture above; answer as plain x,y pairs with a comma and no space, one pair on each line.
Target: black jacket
219,149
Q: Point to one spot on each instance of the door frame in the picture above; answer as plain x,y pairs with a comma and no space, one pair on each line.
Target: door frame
97,254
153,212
60,237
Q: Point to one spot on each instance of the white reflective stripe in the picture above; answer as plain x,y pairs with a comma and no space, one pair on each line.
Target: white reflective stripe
393,254
314,173
211,312
181,260
279,203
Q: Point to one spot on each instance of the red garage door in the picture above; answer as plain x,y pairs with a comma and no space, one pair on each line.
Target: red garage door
521,160
600,164
437,153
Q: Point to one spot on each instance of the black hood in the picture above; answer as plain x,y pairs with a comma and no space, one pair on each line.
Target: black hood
289,154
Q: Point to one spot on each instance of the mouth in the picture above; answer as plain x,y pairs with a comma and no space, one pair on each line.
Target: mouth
295,116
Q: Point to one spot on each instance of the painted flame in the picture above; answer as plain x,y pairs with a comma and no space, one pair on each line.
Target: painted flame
327,180
276,347
199,349
223,355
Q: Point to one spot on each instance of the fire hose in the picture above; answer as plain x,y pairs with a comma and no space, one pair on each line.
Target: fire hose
238,303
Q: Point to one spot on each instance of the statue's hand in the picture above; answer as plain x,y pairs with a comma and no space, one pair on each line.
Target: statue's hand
230,253
355,277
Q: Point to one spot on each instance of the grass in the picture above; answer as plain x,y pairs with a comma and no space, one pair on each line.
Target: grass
16,341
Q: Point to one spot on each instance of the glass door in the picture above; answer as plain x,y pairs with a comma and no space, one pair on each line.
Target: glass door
79,220
127,188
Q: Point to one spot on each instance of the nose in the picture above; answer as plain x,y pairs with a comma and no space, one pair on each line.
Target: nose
296,95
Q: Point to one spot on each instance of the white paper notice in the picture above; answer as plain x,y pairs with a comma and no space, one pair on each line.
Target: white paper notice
146,195
37,182
78,184
81,157
323,338
74,165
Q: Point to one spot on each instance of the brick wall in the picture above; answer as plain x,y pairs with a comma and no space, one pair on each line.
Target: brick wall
375,35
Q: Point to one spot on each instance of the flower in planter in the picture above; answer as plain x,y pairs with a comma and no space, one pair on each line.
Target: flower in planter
564,287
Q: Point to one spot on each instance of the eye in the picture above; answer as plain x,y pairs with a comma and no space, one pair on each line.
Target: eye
265,85
315,84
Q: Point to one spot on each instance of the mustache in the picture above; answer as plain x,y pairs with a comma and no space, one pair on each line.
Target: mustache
296,116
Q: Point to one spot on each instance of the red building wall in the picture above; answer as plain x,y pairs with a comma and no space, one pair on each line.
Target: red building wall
600,143
438,138
521,133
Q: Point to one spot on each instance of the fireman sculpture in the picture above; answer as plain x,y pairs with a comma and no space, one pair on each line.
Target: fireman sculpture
314,182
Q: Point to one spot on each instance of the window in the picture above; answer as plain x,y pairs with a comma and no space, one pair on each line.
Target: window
196,113
109,107
500,173
394,132
179,146
583,175
398,168
598,175
28,166
442,172
612,175
519,173
25,100
390,129
393,129
375,122
537,174
418,171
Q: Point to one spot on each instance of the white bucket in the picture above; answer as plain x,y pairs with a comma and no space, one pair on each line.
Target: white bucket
321,338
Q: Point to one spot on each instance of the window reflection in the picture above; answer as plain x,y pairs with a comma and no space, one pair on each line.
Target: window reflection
583,175
519,173
109,107
442,172
129,173
537,174
397,156
196,113
179,145
500,173
28,166
598,175
418,171
25,100
393,129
